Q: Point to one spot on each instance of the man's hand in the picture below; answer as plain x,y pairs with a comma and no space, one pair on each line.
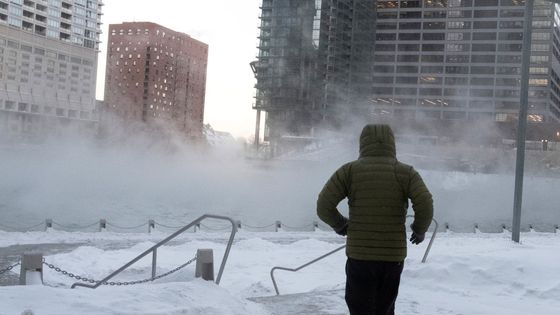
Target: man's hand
416,238
342,229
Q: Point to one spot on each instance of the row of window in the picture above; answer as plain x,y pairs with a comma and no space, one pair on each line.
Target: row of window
421,14
46,110
439,58
463,81
450,92
458,36
391,4
431,25
380,69
456,47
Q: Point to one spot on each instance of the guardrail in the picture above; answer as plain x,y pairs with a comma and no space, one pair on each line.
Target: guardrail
339,248
154,248
276,226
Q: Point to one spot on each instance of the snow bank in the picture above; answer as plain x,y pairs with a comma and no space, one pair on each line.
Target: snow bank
464,274
194,297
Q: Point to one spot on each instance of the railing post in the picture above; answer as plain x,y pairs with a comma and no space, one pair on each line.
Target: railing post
48,224
102,225
238,224
154,261
31,271
205,264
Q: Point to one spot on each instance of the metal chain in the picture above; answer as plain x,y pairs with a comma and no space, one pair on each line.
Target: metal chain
214,228
127,227
24,229
297,227
168,226
77,227
2,271
117,283
259,227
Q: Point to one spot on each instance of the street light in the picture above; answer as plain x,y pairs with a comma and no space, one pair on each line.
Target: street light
522,129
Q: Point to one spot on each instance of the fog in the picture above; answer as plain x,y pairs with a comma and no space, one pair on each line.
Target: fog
128,182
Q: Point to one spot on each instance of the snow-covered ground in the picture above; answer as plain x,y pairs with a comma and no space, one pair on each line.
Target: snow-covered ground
465,274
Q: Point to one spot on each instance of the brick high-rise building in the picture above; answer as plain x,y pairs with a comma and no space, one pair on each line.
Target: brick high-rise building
157,76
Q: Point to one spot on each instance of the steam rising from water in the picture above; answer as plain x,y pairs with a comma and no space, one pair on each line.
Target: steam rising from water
82,181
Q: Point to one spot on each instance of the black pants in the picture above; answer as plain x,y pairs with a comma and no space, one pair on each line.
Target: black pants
372,286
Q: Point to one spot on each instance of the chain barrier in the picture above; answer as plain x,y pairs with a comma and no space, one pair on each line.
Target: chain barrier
2,271
25,229
298,227
259,227
116,283
215,228
127,227
77,227
169,227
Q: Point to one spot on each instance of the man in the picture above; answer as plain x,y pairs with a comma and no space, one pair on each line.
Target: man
378,187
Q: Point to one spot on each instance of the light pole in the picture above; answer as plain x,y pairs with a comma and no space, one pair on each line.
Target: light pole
522,127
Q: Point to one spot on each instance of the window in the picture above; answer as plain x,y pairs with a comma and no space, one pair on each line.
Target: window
485,25
459,25
482,58
484,36
408,58
458,36
485,13
510,36
409,36
457,58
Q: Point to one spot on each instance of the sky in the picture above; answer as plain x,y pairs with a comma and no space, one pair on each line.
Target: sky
230,28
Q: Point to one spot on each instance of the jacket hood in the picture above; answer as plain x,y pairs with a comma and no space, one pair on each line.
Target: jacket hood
377,140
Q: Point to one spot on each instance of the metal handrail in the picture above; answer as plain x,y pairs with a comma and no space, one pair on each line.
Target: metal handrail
341,247
154,248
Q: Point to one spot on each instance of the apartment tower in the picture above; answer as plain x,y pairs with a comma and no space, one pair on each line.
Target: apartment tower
156,76
48,64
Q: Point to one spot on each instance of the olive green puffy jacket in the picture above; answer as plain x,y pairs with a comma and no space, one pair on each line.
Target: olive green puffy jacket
378,187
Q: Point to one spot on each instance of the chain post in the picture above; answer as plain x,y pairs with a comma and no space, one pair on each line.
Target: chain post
238,224
48,224
102,225
315,226
277,226
31,264
151,225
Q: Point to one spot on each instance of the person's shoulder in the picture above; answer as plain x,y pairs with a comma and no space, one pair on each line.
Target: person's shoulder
403,167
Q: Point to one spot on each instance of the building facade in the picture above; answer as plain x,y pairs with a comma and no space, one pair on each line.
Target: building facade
48,64
156,76
314,64
448,68
456,62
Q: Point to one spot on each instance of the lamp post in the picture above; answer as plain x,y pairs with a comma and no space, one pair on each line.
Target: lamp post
522,127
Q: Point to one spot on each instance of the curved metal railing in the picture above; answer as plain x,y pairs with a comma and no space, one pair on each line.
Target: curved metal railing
154,248
341,247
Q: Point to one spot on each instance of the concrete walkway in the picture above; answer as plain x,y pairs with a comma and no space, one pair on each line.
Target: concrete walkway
316,303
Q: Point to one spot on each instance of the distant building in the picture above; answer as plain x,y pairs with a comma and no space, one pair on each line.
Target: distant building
314,65
155,76
48,64
457,64
437,68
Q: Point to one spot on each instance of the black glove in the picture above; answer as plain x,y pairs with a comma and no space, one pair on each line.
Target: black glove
416,238
342,229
